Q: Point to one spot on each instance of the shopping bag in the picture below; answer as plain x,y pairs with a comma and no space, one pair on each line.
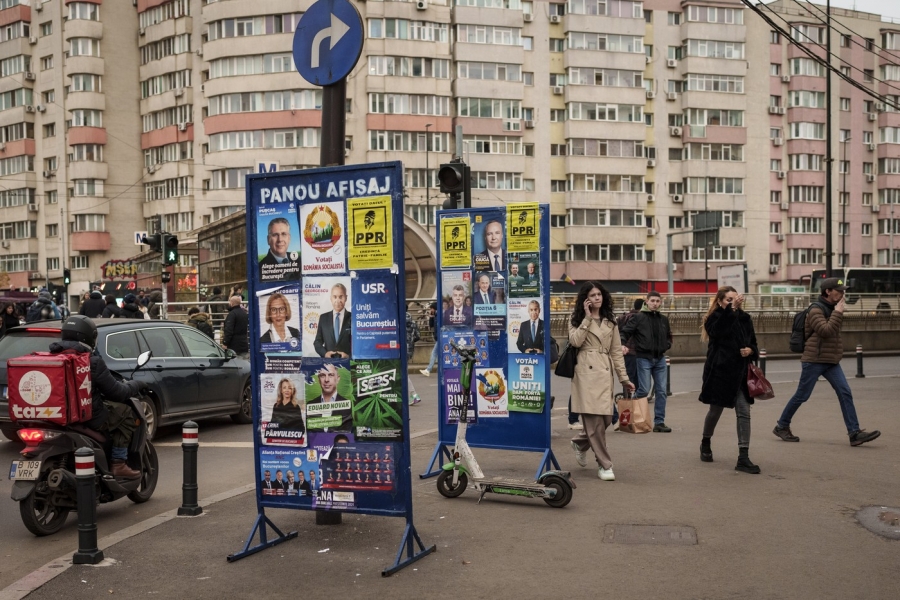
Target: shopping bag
634,415
757,384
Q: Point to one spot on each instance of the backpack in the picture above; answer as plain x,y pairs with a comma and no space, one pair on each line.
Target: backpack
798,329
51,387
39,311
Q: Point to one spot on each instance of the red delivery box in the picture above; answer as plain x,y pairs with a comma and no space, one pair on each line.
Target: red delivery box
50,387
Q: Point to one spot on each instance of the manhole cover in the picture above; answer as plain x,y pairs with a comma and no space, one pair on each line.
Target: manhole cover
660,535
881,520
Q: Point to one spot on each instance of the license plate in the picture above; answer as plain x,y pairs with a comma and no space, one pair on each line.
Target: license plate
25,470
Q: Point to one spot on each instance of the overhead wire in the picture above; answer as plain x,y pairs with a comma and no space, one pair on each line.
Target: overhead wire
820,10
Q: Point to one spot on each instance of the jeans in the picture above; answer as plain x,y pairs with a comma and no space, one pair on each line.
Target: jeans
741,410
573,417
809,374
654,368
434,357
631,367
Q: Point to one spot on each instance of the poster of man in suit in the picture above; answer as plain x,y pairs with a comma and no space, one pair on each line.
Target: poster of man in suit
329,399
278,251
524,275
326,317
490,255
457,290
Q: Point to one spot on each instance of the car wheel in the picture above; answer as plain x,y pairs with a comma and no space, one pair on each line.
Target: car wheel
245,415
151,415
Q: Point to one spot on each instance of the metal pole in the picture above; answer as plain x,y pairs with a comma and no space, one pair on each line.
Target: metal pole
859,361
671,268
427,180
762,361
190,444
829,159
163,313
668,377
846,201
88,553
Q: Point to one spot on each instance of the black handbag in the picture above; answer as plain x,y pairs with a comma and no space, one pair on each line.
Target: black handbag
567,361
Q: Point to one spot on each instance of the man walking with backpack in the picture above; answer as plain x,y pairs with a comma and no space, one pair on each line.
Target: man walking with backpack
822,352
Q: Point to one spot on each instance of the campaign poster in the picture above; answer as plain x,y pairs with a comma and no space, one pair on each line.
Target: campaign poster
377,399
358,467
329,397
283,409
489,301
289,472
488,241
323,248
523,227
525,333
527,385
478,339
370,239
278,242
456,242
456,287
327,322
376,326
524,274
283,363
279,319
490,392
456,397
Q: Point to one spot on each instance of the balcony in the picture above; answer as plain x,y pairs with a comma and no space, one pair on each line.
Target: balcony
90,241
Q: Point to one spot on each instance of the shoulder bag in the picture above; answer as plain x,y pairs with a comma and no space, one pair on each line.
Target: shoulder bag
565,367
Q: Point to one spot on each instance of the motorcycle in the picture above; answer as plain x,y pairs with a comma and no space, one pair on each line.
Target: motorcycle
45,484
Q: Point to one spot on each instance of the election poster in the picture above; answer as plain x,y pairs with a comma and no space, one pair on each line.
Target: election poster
327,322
377,399
283,410
282,363
488,241
329,398
456,242
370,243
455,397
523,227
457,290
289,472
489,301
279,319
490,392
278,242
519,326
375,330
527,386
524,274
362,466
477,339
323,248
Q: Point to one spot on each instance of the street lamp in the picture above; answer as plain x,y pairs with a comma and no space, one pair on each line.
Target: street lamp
846,201
427,180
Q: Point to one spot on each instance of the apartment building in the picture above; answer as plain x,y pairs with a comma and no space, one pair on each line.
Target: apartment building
627,117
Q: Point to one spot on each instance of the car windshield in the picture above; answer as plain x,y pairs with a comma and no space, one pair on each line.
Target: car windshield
20,343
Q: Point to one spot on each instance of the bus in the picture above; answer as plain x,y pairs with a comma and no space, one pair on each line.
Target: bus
869,288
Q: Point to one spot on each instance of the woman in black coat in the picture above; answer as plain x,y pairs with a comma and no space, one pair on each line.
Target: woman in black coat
9,319
732,346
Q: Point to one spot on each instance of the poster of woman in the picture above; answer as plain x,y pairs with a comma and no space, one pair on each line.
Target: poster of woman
283,416
279,315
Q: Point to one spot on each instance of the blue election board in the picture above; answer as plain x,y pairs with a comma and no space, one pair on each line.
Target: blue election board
328,41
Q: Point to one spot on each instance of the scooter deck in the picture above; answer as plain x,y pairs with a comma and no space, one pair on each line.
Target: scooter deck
512,483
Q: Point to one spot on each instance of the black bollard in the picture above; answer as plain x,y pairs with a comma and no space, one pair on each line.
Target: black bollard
88,553
668,377
859,361
190,443
762,361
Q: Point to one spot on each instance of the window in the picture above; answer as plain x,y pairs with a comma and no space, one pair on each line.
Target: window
527,43
49,97
805,193
805,256
804,33
774,227
169,46
715,49
46,28
715,83
84,11
775,164
405,66
50,164
843,229
806,225
807,131
775,197
868,75
558,185
557,149
198,344
867,199
774,37
46,62
557,44
674,18
86,118
866,229
844,198
162,342
845,104
558,221
843,166
806,162
472,34
676,222
53,263
775,69
774,260
557,115
558,256
845,41
845,71
528,78
78,262
866,260
807,99
51,197
84,47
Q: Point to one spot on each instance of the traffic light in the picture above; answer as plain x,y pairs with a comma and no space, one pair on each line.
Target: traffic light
153,241
169,249
454,180
67,277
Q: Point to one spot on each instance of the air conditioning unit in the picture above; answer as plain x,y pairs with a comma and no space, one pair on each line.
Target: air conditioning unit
558,90
875,208
346,152
528,17
780,174
778,141
651,163
675,131
651,95
650,198
29,76
871,147
554,18
152,169
773,110
873,117
785,79
671,96
780,110
29,108
421,4
785,205
39,6
773,268
40,108
199,51
2,146
651,231
671,63
649,60
677,199
182,126
780,237
32,208
6,243
178,92
529,124
35,275
142,31
47,174
32,40
880,107
870,177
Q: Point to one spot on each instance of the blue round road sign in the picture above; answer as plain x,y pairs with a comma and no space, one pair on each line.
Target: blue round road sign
328,41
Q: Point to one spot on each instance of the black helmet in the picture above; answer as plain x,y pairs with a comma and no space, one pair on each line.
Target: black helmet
79,328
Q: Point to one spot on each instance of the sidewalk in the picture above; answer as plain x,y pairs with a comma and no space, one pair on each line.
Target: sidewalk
787,533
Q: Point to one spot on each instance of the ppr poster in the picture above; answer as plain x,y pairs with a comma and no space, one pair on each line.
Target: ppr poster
376,328
523,227
490,392
378,399
456,242
527,386
324,249
370,233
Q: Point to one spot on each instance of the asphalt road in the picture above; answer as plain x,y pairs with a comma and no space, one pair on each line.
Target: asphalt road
226,459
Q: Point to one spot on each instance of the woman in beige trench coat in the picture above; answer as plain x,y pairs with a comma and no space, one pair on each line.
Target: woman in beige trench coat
593,331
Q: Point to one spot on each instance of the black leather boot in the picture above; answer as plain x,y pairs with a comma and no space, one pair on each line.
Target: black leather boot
743,464
706,450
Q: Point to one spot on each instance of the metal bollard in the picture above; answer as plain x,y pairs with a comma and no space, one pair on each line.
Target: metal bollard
762,361
190,444
668,377
859,361
88,553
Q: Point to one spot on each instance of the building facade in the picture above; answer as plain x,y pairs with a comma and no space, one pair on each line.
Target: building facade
627,117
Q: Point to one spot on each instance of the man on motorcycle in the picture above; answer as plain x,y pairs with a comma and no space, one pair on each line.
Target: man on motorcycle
110,415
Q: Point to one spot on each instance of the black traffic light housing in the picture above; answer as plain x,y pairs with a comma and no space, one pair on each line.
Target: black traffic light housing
67,277
169,249
153,241
455,180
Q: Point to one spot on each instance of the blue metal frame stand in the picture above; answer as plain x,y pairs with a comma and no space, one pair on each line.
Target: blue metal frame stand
260,525
409,541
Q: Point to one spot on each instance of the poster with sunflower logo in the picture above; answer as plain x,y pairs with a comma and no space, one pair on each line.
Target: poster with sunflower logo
490,389
324,249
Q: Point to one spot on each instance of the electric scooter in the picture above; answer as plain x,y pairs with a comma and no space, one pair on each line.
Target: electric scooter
554,487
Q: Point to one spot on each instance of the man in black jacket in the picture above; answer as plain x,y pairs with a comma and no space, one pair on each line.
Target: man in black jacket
234,333
112,310
93,307
109,413
652,339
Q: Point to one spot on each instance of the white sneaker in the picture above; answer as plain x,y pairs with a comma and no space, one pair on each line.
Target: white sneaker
576,425
580,455
425,372
606,474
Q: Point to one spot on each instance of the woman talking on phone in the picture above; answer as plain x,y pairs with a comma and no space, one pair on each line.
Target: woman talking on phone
732,345
594,332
